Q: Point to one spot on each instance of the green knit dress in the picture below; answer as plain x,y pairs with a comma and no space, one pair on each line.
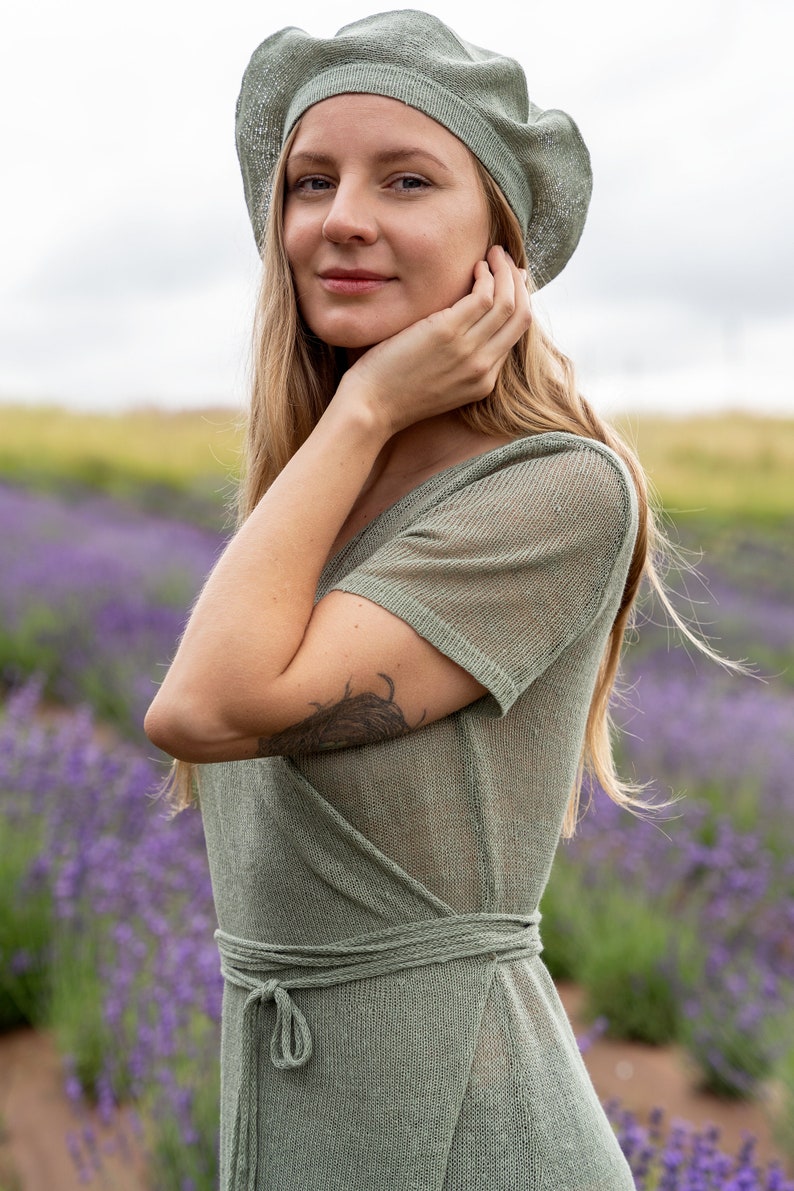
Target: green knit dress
388,1023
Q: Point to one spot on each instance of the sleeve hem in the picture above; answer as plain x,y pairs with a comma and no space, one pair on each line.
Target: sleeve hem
452,644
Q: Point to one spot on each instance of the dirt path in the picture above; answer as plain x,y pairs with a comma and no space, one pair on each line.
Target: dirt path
36,1117
647,1077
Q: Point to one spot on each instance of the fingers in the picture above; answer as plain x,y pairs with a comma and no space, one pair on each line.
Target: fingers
511,295
505,318
475,305
503,306
511,314
479,331
499,296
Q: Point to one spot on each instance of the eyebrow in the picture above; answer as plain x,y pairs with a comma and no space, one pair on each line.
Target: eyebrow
384,157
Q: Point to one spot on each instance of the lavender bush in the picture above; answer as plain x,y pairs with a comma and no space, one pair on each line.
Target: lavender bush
132,907
94,597
783,1110
690,936
699,909
709,883
134,988
694,920
25,932
681,1158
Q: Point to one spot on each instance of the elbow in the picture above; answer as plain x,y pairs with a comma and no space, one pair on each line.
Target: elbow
163,732
171,728
197,728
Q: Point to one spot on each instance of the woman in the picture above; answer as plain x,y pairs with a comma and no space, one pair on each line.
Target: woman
398,668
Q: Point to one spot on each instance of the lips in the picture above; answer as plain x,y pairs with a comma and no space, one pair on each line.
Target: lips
353,275
352,281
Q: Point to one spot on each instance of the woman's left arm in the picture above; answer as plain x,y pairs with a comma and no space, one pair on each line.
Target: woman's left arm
260,669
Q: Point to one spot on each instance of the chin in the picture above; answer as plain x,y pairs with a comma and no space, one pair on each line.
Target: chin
356,334
350,342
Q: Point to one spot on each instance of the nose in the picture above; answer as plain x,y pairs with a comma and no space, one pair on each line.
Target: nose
351,216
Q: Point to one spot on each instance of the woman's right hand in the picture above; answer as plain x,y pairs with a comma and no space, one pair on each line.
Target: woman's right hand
447,360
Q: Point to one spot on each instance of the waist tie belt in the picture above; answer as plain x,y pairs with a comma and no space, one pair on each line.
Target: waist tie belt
255,967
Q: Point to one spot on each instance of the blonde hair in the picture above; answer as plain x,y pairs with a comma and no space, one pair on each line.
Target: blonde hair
536,392
294,376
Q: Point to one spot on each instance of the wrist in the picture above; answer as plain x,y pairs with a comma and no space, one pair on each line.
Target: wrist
357,402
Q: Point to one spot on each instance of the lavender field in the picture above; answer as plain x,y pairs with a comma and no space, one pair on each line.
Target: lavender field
680,928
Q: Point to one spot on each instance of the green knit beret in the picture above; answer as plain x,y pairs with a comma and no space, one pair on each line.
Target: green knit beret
537,158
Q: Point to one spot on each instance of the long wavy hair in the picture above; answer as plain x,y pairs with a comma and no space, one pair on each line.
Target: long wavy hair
294,376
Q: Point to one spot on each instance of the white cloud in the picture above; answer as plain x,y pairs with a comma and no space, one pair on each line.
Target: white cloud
128,263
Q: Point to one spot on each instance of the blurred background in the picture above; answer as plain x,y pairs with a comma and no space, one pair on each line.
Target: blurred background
126,294
128,262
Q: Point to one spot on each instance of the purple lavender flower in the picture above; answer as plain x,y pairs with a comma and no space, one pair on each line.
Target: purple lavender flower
88,602
688,1159
94,597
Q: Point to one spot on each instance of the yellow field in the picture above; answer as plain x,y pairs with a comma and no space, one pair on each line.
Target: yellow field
733,463
113,450
714,466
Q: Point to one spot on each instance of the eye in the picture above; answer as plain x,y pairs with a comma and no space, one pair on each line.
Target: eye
311,184
407,183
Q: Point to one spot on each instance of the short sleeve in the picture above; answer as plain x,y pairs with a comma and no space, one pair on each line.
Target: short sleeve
504,573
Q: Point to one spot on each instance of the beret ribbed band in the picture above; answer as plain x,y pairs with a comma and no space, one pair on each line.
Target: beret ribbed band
536,157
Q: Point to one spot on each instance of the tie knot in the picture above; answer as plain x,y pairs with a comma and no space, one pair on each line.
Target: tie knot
291,1040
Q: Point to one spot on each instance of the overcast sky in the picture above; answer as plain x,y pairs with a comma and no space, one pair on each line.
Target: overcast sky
127,264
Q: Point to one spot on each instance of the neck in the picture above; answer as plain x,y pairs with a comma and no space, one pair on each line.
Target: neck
424,448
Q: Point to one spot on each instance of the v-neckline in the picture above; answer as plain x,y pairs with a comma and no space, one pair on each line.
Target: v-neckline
409,497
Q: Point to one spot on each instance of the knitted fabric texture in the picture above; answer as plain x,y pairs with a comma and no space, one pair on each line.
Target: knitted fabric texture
502,936
537,158
388,1021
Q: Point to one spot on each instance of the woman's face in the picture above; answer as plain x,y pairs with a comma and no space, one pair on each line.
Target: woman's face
384,218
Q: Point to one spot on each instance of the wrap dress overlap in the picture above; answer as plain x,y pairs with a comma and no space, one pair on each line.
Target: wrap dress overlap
388,1023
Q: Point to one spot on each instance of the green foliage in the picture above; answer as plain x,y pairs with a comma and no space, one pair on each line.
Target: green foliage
25,934
36,647
76,1004
736,1049
184,1151
31,648
731,1062
628,978
781,1104
618,946
567,927
741,809
175,1164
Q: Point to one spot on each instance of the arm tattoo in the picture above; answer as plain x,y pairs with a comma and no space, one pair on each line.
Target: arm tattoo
354,720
